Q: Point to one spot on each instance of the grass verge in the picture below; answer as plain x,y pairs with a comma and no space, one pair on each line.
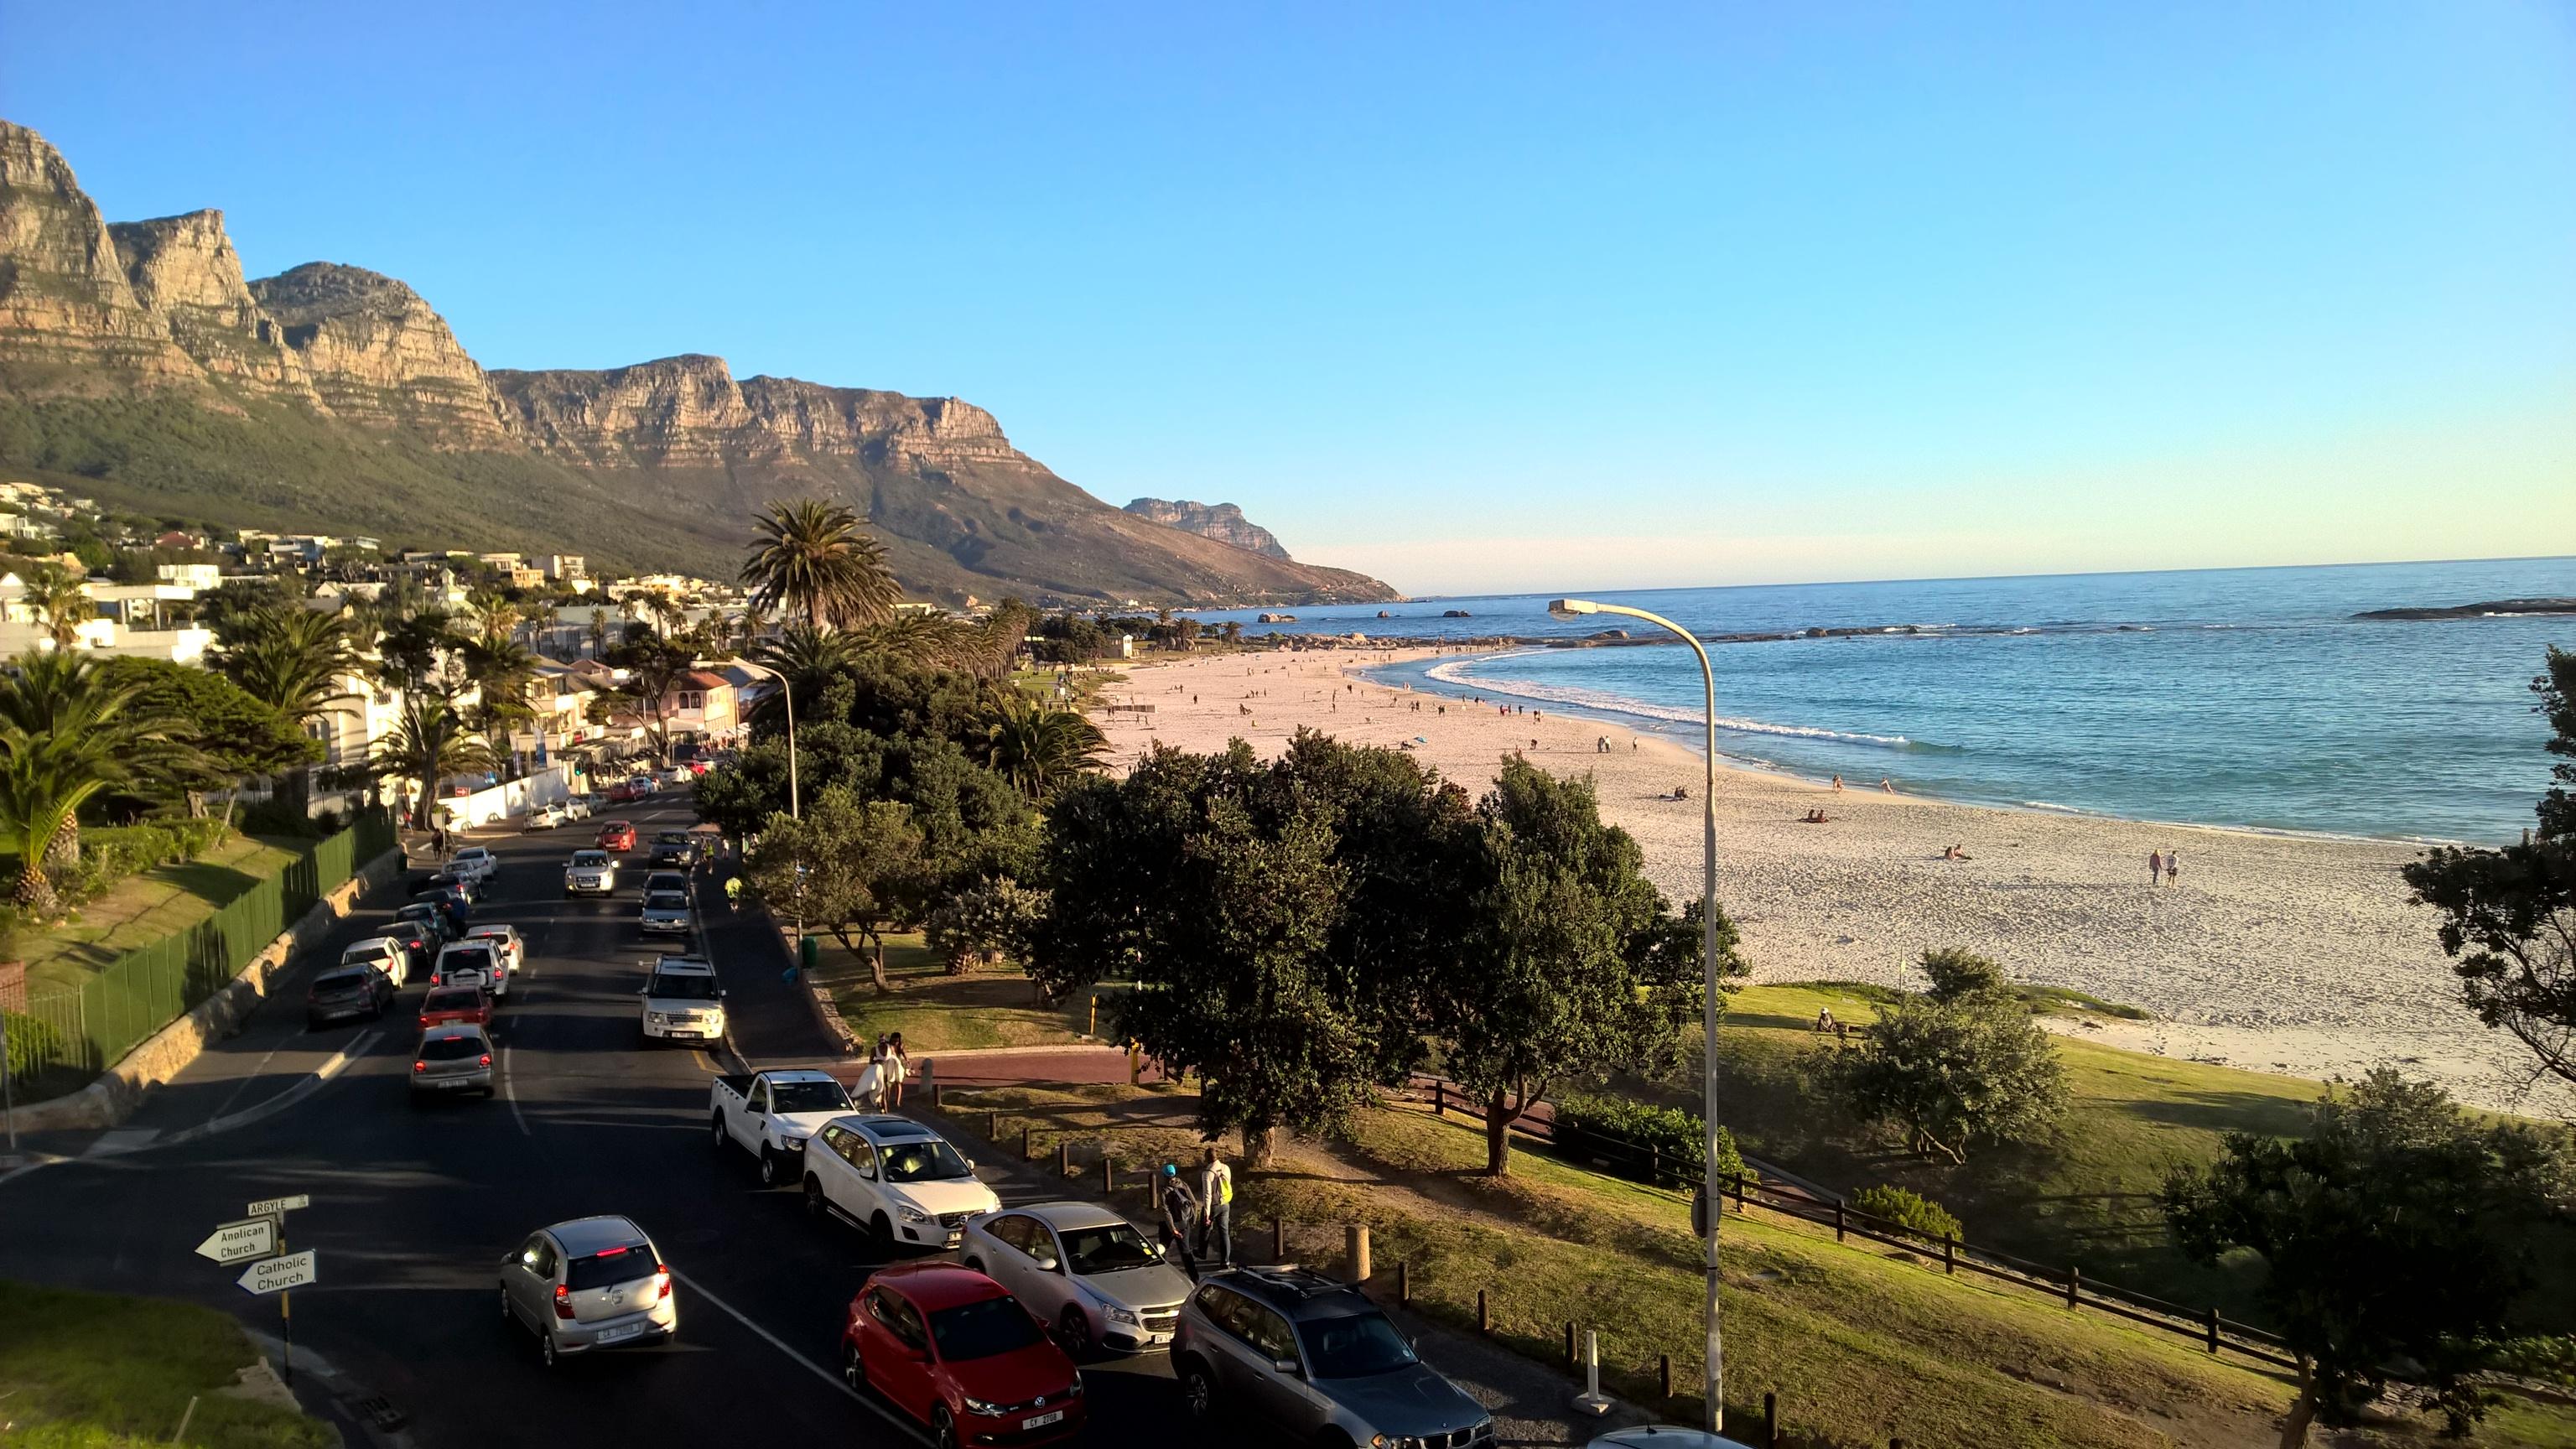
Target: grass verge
148,905
936,1011
102,1371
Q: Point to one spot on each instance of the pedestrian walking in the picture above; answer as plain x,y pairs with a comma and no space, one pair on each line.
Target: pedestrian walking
1216,1209
2155,866
733,893
898,1070
1180,1216
2173,865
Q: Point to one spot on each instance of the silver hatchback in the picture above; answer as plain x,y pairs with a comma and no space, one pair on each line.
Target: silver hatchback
592,1283
452,1058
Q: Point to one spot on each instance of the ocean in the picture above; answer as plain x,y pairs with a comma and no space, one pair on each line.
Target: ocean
2245,697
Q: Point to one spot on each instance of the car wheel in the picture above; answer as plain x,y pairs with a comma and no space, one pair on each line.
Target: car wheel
854,1371
943,1428
1073,1332
976,1265
718,1119
815,1205
769,1168
880,1233
546,1348
1198,1390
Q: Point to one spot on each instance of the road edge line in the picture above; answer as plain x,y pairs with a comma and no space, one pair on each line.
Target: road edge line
904,1425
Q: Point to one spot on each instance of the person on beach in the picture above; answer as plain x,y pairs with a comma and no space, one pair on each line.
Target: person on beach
1886,784
1838,784
2173,865
2155,866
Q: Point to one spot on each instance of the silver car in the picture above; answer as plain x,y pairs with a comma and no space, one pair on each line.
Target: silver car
665,913
1312,1356
1083,1269
588,1284
453,1058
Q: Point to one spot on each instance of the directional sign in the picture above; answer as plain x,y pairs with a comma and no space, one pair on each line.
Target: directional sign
276,1275
268,1207
232,1242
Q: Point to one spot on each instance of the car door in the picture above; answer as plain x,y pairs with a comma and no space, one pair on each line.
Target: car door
1280,1393
1009,1265
531,1280
1049,1289
906,1378
865,1200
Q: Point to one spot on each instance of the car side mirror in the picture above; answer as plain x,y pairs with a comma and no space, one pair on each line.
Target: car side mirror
1047,1263
1285,1366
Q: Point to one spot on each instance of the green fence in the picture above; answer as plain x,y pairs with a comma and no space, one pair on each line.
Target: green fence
70,1035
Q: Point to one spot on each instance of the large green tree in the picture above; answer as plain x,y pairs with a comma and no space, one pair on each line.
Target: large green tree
428,743
1950,1071
851,866
2509,915
1571,962
2397,1232
225,737
1037,746
815,560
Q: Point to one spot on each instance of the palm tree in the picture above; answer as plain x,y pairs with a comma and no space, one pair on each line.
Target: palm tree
500,669
1037,746
598,630
65,735
927,640
60,601
819,562
428,744
652,678
291,660
490,616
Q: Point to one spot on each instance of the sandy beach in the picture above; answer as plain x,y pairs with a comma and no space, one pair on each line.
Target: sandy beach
2275,953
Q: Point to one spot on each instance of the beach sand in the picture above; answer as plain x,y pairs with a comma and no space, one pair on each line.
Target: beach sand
2277,953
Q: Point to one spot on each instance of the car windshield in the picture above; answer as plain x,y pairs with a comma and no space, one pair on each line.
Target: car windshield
808,1097
981,1330
608,1268
682,988
452,1001
340,981
1354,1346
450,1048
365,956
1107,1249
928,1160
667,901
590,857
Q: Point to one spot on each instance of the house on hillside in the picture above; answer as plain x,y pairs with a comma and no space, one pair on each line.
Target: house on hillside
116,627
705,707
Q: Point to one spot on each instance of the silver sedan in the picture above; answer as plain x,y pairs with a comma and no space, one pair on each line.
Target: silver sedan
592,1283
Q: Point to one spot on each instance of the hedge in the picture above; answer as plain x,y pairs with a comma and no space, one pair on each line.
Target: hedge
1665,1134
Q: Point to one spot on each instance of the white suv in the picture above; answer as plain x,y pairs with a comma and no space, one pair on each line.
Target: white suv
896,1178
682,1001
474,863
590,873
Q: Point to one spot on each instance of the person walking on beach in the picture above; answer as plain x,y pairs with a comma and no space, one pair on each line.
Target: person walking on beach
2173,866
1838,784
2155,866
1216,1208
1180,1216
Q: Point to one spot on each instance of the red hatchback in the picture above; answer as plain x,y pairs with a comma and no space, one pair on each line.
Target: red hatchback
617,835
953,1349
455,1003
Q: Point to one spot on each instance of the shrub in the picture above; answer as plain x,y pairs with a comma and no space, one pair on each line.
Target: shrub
1648,1133
1911,1211
1949,1075
33,1046
1957,974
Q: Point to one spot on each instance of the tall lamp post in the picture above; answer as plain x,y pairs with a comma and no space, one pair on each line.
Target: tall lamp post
1716,1367
787,696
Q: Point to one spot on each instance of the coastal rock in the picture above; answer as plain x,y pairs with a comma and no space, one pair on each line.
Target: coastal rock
379,356
1223,522
1275,619
1455,614
2496,608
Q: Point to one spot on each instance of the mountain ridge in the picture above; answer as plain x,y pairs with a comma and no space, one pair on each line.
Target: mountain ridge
138,359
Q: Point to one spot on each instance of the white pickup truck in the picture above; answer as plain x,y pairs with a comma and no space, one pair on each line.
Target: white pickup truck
772,1114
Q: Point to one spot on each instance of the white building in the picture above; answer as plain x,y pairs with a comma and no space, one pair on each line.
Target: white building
197,577
564,567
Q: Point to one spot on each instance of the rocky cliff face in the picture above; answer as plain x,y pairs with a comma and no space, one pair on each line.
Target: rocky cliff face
69,318
379,356
1221,521
184,271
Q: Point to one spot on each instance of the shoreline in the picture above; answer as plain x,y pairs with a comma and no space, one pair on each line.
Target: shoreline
2279,951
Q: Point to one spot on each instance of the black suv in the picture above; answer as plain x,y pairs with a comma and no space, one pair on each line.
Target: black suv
671,847
1315,1357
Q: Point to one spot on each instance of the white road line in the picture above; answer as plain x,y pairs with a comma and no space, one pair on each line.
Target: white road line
905,1426
510,1094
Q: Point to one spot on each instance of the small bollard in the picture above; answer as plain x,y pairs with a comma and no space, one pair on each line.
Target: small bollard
2074,1286
939,1095
1025,1154
1355,1246
1569,1342
1950,1253
1484,1324
1108,1176
1664,1375
1064,1158
1592,1401
1838,1221
1771,1421
2213,1330
1279,1240
1404,1284
992,1126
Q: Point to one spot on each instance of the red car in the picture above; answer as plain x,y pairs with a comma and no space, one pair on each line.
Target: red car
623,792
953,1349
617,835
455,1003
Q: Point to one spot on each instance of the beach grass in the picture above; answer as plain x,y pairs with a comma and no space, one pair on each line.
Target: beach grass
103,1371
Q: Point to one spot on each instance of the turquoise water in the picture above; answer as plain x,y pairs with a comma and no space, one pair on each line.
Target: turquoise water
2231,697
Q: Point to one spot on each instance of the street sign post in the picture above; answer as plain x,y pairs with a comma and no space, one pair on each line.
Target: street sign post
276,1275
232,1242
269,1207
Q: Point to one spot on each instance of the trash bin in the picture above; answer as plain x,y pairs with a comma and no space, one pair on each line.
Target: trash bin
809,953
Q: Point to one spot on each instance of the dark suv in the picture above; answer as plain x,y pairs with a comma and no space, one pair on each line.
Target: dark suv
671,847
1315,1357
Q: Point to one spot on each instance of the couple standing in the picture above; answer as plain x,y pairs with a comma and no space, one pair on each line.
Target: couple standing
1204,1217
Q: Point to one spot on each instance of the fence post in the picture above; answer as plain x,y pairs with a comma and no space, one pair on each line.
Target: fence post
1654,1165
1024,1142
2074,1285
939,1095
1770,1421
992,1126
2213,1330
1404,1284
1483,1323
1838,1220
1279,1240
1664,1375
1950,1253
1108,1175
1737,1179
1355,1245
1569,1340
1064,1157
1439,1098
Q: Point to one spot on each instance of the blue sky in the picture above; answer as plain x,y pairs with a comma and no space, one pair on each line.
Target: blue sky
1491,297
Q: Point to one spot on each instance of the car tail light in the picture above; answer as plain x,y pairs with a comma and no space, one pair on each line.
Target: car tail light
563,1301
420,1066
662,1283
487,1060
424,1021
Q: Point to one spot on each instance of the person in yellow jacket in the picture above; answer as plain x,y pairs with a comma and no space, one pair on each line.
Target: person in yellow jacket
1216,1209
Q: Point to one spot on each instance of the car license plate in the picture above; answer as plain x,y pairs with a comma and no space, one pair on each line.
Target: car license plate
620,1335
688,1035
454,1084
1042,1420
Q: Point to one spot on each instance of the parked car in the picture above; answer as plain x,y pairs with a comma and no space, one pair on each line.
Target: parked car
1314,1357
617,835
387,954
1084,1269
346,991
1664,1436
549,817
446,1004
431,921
471,888
772,1115
665,913
593,1283
624,793
896,1178
667,880
514,950
675,848
590,873
949,1347
472,963
644,783
476,861
452,905
450,1059
585,805
682,1002
420,941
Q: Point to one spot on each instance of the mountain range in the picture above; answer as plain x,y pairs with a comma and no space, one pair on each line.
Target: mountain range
140,364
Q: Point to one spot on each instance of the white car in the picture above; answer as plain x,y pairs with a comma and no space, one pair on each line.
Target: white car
383,953
896,1178
580,807
682,1001
548,817
472,963
514,950
774,1116
590,873
1084,1269
474,862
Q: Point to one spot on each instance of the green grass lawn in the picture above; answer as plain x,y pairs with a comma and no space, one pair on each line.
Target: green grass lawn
99,1371
939,1012
148,905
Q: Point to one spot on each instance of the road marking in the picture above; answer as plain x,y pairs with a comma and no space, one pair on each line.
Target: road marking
510,1094
256,1073
908,1428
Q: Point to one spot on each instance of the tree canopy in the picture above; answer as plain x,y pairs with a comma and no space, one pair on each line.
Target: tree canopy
1951,1072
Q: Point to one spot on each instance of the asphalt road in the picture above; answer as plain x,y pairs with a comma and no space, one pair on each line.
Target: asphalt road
413,1207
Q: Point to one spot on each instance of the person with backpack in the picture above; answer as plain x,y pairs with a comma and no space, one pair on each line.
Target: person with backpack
1216,1208
1180,1215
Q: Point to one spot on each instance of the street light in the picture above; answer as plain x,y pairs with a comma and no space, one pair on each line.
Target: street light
795,809
1576,608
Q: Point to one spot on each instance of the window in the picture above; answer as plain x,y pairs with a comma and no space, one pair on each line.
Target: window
899,1318
611,1266
1355,1346
451,1048
1107,1249
1015,1232
925,1160
1269,1333
982,1330
811,1097
1226,1310
863,1156
836,1140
